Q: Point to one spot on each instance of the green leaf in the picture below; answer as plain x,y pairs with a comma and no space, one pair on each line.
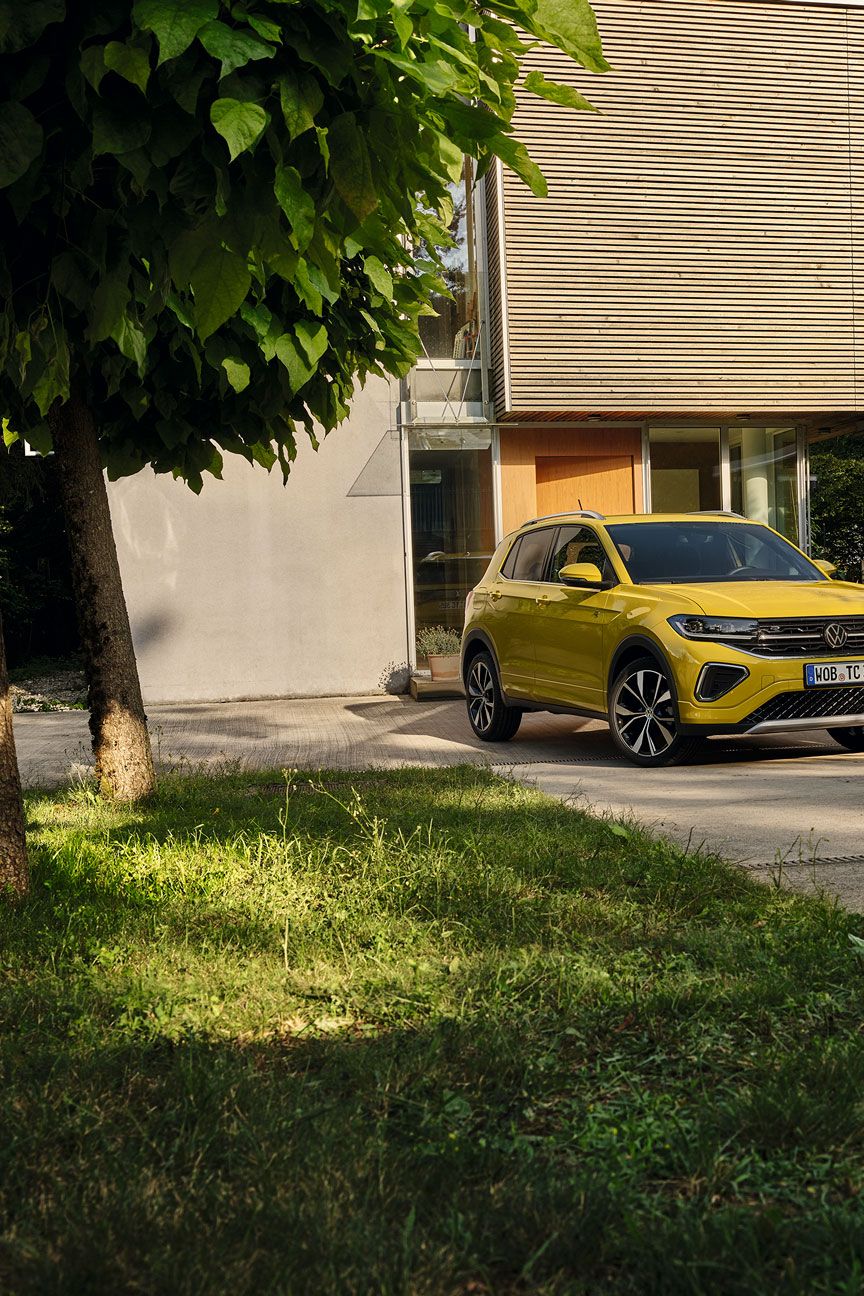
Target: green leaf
297,205
237,372
22,22
92,64
131,341
240,124
117,131
108,308
436,76
514,153
39,439
379,277
306,289
53,382
469,120
556,93
573,28
301,98
403,25
175,23
265,27
299,370
350,166
220,282
262,454
20,141
313,339
9,435
128,61
185,252
234,48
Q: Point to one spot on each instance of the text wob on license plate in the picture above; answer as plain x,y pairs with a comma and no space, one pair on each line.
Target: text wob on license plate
816,674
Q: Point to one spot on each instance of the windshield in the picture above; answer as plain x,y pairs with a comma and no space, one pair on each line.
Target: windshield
691,553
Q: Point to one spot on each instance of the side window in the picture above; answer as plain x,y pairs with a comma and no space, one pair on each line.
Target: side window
526,561
579,544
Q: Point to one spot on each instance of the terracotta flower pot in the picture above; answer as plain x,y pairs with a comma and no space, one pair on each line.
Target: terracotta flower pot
444,666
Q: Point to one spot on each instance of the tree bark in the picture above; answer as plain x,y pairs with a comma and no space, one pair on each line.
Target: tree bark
118,725
14,873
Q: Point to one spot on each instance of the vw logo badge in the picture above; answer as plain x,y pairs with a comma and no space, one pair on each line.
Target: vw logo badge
834,635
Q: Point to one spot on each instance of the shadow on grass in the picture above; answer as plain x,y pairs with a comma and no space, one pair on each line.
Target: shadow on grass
450,1158
543,1054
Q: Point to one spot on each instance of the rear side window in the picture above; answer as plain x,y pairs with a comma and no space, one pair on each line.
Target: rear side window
526,561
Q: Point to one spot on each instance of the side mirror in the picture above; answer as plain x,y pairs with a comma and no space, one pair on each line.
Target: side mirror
582,574
824,565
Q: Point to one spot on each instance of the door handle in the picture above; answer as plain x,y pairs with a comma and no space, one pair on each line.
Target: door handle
542,598
494,595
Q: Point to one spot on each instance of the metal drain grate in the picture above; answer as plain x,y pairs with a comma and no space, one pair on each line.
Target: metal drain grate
830,861
558,760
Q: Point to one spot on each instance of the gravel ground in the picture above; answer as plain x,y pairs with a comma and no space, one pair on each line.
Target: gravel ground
60,691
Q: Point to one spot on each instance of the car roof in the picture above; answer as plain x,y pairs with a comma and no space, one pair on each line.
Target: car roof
612,519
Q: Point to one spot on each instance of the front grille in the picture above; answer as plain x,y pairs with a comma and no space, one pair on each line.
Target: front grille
810,704
802,637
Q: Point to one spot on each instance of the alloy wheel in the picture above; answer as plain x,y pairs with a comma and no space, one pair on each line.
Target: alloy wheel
645,713
481,696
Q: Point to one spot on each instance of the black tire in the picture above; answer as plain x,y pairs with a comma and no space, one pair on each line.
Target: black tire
852,739
643,716
490,717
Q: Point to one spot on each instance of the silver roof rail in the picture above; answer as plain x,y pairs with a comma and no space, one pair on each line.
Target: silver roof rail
717,513
548,517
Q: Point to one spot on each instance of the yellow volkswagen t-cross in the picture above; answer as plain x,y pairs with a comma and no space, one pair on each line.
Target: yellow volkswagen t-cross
672,627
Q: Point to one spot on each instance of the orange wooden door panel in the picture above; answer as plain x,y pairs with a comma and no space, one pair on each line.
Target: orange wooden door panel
601,482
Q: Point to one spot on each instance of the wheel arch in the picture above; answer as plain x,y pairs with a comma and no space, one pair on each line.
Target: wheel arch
477,641
631,650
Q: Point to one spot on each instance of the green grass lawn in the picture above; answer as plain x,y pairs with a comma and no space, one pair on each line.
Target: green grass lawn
418,1032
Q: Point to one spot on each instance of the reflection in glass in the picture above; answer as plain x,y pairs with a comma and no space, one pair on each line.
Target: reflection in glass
763,463
452,522
452,332
685,469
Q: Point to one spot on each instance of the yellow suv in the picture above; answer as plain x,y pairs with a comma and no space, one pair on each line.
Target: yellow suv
672,627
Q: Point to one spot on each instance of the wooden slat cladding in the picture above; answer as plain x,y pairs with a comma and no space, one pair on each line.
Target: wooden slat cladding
698,247
497,352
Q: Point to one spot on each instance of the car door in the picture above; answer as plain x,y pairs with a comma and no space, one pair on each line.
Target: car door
570,665
514,601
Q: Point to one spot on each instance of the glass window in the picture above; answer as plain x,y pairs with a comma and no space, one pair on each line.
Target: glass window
526,561
763,464
579,544
451,333
685,469
452,523
664,553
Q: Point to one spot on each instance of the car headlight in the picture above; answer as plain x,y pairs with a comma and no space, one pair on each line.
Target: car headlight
708,627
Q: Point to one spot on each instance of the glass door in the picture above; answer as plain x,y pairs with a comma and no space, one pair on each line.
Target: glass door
452,519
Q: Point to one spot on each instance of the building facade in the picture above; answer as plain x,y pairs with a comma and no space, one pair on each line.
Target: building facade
672,328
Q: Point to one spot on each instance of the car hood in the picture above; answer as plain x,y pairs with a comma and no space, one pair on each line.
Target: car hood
773,598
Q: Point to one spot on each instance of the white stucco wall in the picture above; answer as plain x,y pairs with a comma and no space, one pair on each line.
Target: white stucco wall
253,589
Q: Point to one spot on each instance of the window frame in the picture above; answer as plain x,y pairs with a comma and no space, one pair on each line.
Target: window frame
522,580
582,526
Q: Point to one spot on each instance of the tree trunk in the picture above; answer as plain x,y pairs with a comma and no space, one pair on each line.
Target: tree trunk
14,876
121,743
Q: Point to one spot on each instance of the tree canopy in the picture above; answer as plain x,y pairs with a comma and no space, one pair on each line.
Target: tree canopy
217,217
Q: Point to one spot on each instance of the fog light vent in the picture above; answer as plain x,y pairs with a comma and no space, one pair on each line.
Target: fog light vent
717,679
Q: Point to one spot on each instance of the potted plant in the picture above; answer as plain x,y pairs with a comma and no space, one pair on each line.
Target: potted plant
441,648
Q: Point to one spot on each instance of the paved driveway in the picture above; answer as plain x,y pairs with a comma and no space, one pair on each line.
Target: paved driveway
780,807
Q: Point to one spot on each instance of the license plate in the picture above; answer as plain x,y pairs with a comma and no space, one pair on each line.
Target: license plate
818,674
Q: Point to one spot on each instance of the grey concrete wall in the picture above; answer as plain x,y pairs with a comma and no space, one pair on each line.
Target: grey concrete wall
253,589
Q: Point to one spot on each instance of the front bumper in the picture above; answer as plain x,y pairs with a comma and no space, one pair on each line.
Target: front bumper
771,699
